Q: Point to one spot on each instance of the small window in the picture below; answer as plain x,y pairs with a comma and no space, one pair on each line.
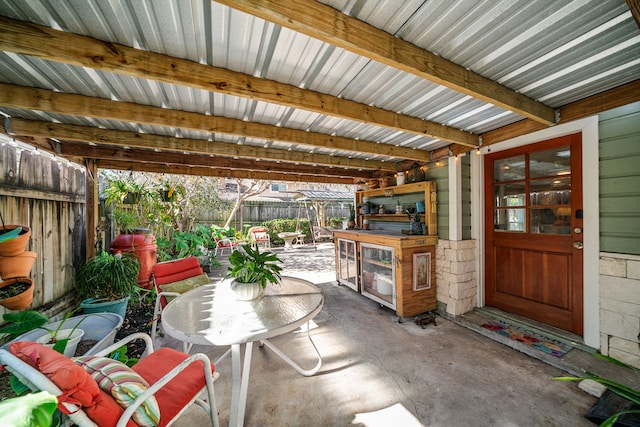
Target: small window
278,187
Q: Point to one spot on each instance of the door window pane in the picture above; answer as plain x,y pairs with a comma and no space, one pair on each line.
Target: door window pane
554,162
509,220
510,169
509,194
545,192
551,221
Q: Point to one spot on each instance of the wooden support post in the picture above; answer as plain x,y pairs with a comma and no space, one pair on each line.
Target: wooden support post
91,207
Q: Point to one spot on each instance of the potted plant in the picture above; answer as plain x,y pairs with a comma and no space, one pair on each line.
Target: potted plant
123,191
252,270
352,218
16,293
99,329
107,281
62,339
13,238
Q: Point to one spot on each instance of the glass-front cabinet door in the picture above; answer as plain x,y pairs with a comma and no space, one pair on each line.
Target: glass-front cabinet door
378,273
347,264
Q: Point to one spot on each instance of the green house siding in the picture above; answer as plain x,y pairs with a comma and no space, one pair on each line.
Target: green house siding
466,196
439,172
619,164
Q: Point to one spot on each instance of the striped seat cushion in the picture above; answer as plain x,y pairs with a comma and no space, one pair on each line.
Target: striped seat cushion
124,384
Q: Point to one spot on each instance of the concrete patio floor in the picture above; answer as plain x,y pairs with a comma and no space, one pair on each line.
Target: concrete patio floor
379,372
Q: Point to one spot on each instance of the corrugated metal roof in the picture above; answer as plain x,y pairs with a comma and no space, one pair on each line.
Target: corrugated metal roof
556,52
325,195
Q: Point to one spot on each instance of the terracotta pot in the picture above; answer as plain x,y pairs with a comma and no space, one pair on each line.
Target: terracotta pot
17,266
20,301
15,246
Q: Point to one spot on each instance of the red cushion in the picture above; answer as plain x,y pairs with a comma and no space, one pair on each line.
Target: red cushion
181,275
79,385
82,390
180,390
106,412
175,266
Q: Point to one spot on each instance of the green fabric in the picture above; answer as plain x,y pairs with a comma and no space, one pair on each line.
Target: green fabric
185,285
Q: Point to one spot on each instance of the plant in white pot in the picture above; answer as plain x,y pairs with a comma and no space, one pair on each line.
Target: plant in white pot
107,281
62,339
251,271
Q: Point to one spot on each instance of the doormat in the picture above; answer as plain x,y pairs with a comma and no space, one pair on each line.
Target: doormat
540,342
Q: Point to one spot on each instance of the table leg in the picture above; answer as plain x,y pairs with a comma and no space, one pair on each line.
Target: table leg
294,365
240,384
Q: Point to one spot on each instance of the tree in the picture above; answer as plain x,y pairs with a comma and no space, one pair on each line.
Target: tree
253,188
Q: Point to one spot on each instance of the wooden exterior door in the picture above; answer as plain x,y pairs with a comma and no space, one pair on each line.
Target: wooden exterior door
533,226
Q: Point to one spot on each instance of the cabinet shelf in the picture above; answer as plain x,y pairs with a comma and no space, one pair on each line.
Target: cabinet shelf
406,194
378,263
390,217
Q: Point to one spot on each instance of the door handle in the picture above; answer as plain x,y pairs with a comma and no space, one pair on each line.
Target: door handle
578,245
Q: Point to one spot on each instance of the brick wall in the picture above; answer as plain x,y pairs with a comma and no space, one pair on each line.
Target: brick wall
620,307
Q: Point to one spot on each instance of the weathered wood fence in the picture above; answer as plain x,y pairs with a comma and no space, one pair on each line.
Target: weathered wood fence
48,195
256,212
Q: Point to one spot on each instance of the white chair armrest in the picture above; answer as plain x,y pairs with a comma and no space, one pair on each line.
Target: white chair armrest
35,380
138,335
164,380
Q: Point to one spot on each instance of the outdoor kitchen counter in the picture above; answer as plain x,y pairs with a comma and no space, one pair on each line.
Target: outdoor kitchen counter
387,238
409,298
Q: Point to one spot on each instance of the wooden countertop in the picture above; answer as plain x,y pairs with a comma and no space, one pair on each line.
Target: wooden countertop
378,236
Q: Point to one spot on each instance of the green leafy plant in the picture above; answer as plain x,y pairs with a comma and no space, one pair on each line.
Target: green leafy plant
252,266
120,354
108,277
118,190
125,220
615,387
30,410
17,323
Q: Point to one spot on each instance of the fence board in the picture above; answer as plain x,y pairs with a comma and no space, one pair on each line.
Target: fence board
48,196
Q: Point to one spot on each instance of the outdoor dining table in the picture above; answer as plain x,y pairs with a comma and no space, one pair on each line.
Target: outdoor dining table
211,315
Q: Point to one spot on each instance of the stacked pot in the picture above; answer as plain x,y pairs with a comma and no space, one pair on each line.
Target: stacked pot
15,265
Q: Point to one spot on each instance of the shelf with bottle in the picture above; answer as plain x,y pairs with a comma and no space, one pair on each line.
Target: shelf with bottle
395,202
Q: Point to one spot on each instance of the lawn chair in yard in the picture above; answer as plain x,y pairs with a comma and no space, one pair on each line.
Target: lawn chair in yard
98,391
171,279
226,243
259,236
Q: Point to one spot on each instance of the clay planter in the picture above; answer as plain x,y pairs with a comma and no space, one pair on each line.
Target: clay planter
17,245
20,301
17,266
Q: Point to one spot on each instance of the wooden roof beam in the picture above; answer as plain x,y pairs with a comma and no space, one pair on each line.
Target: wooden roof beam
222,173
35,128
53,45
103,152
98,108
325,23
595,104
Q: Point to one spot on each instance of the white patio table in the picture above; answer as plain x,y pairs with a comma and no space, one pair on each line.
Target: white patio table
210,315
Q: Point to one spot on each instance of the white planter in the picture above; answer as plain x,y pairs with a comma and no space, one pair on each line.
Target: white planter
101,327
74,338
246,291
